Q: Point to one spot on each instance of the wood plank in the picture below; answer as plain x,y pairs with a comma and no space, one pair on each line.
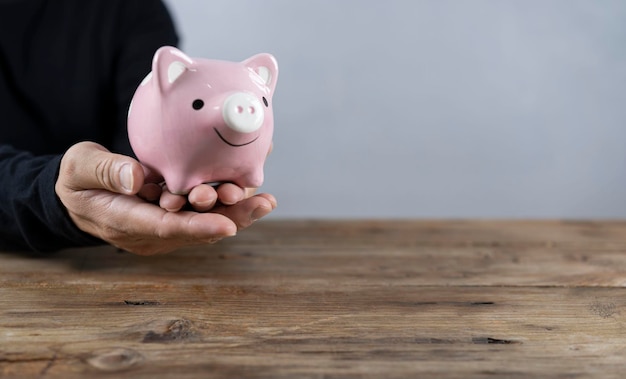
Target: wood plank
344,253
269,331
393,299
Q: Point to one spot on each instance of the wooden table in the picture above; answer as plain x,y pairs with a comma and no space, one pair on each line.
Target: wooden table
322,299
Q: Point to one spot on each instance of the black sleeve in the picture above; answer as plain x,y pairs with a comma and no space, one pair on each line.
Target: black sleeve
31,215
146,26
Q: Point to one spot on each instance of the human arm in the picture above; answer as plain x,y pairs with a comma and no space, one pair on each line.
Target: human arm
93,206
31,216
66,74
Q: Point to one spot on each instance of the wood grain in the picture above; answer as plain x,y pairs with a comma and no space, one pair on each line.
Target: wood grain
349,299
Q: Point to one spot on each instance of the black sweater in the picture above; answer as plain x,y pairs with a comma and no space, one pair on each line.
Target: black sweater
68,70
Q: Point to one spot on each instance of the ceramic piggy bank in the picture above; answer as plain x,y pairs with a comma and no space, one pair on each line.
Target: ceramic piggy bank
204,121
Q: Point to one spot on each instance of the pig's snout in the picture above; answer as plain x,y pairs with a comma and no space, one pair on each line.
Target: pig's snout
243,112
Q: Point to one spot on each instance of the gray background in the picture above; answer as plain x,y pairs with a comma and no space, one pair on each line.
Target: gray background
442,108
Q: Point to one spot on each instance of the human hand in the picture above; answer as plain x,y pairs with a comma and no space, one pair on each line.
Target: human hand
99,190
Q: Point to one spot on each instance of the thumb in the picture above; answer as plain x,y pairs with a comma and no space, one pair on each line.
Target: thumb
87,165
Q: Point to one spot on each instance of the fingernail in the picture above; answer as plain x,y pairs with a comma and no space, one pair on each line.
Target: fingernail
231,233
258,213
126,177
203,204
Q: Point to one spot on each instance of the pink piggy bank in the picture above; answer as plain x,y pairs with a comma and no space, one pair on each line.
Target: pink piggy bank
196,121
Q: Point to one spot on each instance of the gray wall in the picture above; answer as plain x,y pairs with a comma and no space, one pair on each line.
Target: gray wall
437,108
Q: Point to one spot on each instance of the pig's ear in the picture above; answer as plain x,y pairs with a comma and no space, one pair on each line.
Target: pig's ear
168,65
266,67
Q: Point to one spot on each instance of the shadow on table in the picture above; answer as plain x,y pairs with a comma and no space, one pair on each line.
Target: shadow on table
196,261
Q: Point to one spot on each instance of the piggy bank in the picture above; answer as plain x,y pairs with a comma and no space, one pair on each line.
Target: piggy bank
196,121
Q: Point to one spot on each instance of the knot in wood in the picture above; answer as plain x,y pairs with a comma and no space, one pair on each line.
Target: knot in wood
177,330
116,359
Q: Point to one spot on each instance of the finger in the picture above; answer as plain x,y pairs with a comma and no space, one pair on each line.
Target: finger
272,202
87,165
247,211
157,231
230,193
202,197
150,192
151,176
166,231
249,192
194,226
171,202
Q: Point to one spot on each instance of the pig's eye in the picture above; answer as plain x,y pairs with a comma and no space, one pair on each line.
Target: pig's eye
197,104
265,101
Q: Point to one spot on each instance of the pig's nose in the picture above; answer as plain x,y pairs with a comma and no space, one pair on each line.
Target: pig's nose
243,112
